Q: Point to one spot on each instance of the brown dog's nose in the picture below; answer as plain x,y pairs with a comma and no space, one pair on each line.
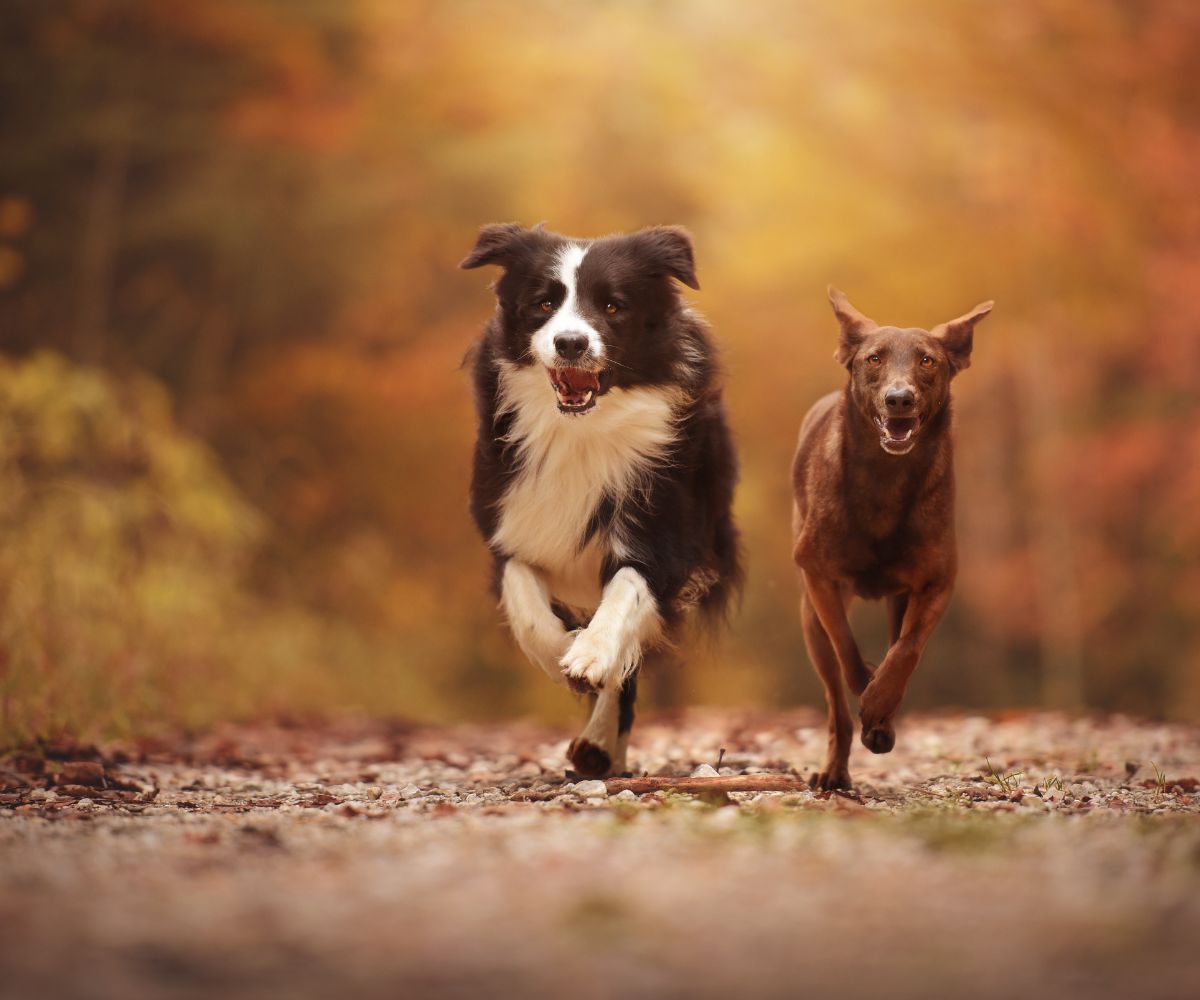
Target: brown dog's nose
900,401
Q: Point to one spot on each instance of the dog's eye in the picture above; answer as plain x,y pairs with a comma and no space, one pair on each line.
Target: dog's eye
546,306
927,361
873,359
612,308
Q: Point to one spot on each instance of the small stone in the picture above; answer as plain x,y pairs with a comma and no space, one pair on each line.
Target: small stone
705,771
591,789
626,795
410,791
374,792
85,804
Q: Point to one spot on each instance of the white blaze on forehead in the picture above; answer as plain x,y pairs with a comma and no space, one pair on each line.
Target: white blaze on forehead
567,318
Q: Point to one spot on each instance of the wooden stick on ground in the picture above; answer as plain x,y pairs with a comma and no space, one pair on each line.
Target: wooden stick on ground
697,786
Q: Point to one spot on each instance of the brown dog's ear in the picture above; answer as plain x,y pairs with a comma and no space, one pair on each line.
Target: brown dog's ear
670,247
957,335
497,244
854,326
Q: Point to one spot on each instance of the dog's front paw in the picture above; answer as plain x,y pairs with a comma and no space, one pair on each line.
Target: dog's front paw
591,662
879,738
590,760
878,729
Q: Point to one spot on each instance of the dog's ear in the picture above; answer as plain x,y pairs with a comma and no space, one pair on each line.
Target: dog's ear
670,248
500,243
957,336
854,326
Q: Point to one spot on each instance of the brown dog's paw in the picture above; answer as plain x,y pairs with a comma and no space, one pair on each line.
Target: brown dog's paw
833,779
879,738
590,760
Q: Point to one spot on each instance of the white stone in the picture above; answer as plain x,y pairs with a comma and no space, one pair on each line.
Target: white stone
591,789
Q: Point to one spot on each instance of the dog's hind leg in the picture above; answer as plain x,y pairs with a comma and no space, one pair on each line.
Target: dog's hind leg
629,693
593,751
897,604
836,774
922,611
828,603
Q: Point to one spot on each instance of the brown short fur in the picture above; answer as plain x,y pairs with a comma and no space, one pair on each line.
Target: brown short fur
873,480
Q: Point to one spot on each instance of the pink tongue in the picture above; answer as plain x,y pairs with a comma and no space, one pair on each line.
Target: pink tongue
577,380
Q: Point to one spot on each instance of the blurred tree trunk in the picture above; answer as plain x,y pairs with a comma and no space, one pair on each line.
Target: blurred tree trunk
1055,581
99,239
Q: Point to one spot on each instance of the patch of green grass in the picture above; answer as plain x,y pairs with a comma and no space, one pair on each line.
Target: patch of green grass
1007,783
1160,780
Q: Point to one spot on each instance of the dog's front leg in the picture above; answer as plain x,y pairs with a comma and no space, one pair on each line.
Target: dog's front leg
606,653
883,695
602,747
827,602
537,629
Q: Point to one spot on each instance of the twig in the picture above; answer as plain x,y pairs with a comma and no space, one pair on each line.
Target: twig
697,786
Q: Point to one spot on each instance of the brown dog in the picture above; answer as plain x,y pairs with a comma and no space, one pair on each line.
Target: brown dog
873,480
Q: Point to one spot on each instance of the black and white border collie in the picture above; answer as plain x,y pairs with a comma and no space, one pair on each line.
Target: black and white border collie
604,467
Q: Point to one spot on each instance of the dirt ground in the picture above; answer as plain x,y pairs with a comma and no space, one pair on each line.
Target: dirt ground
1031,855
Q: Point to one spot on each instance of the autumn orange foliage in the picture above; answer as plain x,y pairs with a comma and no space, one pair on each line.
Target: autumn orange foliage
260,204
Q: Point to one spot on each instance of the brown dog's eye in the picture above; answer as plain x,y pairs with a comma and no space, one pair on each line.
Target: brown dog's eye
873,359
612,308
546,306
927,361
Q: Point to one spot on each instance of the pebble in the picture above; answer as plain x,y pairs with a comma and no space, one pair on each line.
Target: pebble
625,796
374,792
705,771
85,804
591,789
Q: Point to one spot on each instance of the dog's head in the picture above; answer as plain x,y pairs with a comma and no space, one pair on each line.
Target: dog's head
593,313
900,378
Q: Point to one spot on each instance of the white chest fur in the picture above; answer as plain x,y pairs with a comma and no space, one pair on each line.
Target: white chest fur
568,464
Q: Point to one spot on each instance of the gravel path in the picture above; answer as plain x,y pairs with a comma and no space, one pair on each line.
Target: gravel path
369,860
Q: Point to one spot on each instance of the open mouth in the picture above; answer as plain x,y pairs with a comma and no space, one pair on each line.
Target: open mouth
898,435
576,388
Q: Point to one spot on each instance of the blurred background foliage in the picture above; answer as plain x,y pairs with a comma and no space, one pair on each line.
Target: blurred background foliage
234,439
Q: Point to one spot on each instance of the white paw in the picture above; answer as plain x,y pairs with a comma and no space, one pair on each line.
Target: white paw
594,659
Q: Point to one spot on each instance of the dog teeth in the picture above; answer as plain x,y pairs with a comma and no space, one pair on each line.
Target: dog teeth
567,400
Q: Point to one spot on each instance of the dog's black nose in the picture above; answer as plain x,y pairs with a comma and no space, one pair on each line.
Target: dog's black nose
570,346
900,401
